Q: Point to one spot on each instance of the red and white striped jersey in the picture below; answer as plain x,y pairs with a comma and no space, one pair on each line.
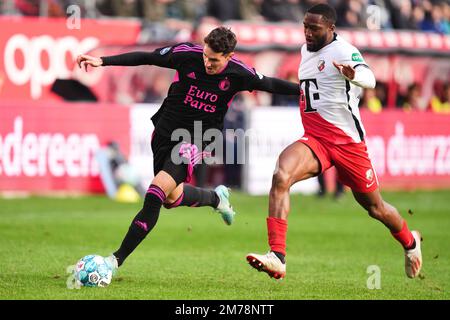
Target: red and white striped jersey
329,101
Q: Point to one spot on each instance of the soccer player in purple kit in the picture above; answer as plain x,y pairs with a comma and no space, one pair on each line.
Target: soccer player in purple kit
206,81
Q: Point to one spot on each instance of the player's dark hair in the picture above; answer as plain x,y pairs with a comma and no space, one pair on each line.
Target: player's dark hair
328,13
222,40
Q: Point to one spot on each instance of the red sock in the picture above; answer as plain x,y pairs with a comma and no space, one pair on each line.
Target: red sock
404,236
277,229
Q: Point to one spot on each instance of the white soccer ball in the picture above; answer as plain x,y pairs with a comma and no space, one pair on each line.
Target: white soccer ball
93,271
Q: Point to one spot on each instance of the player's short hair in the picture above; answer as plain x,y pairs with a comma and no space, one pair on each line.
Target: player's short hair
222,40
328,13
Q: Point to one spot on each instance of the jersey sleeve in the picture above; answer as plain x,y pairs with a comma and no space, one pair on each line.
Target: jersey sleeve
250,79
260,82
364,77
171,57
351,56
168,57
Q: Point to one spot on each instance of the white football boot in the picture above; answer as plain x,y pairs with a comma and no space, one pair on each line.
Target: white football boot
269,263
413,257
224,207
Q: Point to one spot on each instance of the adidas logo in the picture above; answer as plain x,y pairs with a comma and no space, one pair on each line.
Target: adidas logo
191,75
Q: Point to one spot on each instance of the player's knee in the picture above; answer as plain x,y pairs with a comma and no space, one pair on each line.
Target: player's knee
281,179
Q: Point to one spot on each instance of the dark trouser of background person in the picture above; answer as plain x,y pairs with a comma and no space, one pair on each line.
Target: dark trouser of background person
338,192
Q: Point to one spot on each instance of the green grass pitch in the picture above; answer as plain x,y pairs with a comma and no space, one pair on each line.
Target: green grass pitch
192,254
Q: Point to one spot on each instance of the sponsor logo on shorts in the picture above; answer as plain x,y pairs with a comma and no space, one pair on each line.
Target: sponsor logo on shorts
370,184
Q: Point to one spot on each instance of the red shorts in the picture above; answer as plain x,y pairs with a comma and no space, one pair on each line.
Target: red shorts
351,160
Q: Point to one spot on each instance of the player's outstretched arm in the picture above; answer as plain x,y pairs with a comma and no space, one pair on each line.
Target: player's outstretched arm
275,85
361,75
137,58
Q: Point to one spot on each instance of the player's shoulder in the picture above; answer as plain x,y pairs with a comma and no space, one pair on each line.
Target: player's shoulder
185,48
303,49
239,67
344,47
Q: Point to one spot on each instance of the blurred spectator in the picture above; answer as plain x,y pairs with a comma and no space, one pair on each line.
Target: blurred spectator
401,15
306,4
121,8
235,120
445,6
251,10
351,13
193,10
440,101
381,92
435,21
151,10
52,8
370,101
281,100
418,14
375,99
339,187
224,10
281,10
28,7
413,99
380,10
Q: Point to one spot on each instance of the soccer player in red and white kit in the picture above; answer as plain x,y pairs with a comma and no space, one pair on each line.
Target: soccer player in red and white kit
332,74
207,79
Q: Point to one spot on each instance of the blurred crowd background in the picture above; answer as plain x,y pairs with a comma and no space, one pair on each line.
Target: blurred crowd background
424,15
166,20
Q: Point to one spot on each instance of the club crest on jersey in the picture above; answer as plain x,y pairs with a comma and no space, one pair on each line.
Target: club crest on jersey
321,65
164,51
224,85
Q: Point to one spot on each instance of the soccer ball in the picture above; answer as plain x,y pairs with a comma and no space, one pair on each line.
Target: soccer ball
93,271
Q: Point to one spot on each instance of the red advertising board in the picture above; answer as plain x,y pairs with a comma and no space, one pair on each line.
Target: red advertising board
409,150
48,147
37,51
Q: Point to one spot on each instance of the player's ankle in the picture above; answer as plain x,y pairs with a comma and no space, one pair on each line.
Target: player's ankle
280,256
412,246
